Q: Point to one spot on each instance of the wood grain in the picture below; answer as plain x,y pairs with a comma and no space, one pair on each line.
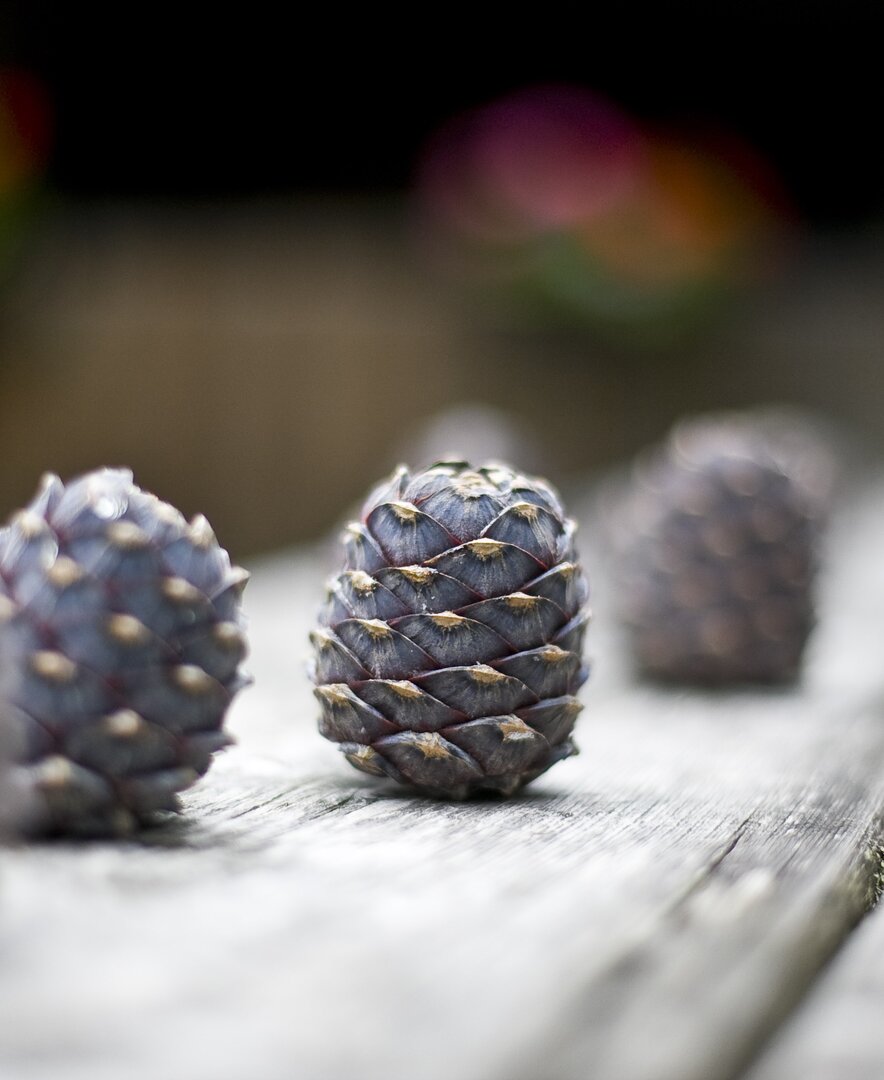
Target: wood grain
837,1033
651,909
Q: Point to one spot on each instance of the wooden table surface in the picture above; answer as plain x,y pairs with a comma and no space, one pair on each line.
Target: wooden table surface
666,905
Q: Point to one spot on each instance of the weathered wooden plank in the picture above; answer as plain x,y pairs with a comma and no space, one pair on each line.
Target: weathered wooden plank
697,991
837,1034
649,909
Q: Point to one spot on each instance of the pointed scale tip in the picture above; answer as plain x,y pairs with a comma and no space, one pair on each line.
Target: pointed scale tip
64,572
119,473
49,489
242,680
124,723
49,480
29,523
127,536
49,494
238,578
54,772
201,532
180,591
53,666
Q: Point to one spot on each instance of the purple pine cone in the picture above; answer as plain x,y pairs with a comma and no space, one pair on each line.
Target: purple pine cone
720,548
449,651
121,641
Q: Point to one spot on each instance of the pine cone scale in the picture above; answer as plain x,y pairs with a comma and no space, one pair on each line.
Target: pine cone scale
553,718
450,639
401,531
473,691
549,671
522,621
489,567
426,759
408,705
381,650
499,744
421,588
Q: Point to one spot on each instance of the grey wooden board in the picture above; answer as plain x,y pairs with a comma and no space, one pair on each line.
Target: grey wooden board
650,909
839,1030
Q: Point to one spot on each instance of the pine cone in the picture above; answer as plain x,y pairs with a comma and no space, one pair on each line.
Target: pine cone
120,643
720,550
449,650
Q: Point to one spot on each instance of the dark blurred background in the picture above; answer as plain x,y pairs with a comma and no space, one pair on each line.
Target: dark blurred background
254,260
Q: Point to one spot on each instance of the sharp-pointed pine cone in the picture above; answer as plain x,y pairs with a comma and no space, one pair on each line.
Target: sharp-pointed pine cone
720,550
121,641
449,652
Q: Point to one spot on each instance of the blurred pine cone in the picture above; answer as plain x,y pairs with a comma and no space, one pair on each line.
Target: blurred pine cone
719,549
449,650
120,642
